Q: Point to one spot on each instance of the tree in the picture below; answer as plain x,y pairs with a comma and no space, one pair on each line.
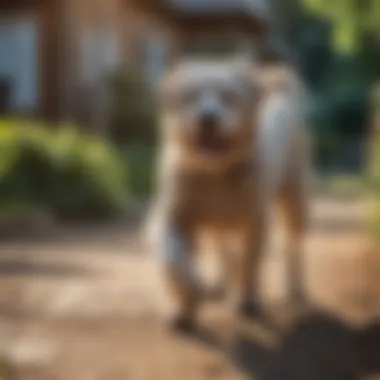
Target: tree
338,48
353,20
308,35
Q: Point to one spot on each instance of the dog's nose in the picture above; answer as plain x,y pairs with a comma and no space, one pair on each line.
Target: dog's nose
209,135
208,122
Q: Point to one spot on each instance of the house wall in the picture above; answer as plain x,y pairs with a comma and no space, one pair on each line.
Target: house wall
92,40
107,34
151,39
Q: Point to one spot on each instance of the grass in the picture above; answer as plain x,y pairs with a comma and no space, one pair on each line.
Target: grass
351,185
354,186
374,174
375,218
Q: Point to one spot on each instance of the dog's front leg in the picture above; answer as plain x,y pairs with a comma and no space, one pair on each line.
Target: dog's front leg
175,246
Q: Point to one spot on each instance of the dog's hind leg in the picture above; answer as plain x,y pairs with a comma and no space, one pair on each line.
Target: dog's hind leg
294,209
252,251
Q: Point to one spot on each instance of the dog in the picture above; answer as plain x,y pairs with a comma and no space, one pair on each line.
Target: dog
233,142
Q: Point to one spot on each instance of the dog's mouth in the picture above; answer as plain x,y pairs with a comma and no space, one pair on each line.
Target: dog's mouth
210,142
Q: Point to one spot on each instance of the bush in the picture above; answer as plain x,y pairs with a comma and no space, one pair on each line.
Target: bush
59,169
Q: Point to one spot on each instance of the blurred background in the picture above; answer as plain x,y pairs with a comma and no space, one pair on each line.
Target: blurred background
78,142
89,66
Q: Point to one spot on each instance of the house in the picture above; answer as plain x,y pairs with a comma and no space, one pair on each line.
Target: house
220,26
54,54
45,52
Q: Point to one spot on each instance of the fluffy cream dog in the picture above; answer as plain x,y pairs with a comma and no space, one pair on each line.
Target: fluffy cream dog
233,143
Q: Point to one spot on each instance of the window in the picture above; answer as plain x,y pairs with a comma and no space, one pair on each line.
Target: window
19,61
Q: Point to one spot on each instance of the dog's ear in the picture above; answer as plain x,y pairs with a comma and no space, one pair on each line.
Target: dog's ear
265,81
276,79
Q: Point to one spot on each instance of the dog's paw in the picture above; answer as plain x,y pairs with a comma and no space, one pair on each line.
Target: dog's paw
182,324
299,298
250,308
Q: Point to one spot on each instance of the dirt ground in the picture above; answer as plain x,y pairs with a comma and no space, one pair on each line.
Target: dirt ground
87,304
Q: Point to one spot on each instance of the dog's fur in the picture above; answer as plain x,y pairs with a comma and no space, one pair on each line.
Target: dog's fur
266,162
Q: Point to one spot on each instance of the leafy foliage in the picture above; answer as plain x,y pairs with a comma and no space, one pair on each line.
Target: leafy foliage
337,47
352,19
59,169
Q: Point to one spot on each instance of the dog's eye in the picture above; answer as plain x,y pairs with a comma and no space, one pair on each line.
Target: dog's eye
188,97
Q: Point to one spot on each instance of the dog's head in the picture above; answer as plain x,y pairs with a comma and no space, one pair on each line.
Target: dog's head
207,108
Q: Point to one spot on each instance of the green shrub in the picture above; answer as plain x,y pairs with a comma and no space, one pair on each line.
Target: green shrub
90,176
60,169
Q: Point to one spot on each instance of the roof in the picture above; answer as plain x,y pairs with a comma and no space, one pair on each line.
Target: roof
257,8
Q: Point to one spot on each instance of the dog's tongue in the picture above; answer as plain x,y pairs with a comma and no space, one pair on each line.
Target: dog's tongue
211,143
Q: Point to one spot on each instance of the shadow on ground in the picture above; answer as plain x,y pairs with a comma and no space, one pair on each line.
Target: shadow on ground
319,348
23,267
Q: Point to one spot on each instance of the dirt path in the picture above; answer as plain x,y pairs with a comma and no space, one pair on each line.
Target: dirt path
87,304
